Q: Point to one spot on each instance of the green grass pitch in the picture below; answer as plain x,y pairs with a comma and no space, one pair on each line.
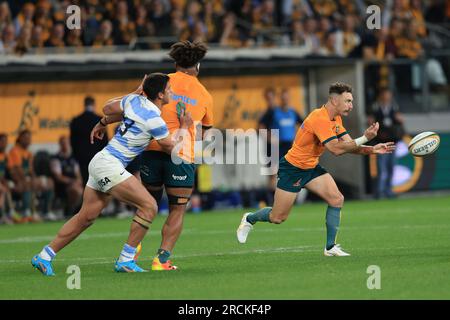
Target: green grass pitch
409,239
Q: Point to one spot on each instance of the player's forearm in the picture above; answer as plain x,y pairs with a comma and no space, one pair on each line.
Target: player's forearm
114,118
344,147
363,150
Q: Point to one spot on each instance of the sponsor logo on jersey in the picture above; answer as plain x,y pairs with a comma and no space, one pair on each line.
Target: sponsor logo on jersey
103,182
179,178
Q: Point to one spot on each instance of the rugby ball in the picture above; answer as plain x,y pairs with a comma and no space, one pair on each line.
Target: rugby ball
424,144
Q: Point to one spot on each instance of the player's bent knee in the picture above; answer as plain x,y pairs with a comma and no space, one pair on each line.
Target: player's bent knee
85,220
149,210
337,200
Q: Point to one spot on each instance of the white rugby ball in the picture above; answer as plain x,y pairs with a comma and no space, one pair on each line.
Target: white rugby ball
424,144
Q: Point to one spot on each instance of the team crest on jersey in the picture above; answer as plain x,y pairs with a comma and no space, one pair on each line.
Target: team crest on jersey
337,129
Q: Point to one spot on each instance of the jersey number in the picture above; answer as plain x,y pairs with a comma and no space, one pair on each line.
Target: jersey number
126,124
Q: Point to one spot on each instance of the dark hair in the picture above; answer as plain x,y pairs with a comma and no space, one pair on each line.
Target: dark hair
154,84
383,90
187,54
22,133
89,101
3,135
339,88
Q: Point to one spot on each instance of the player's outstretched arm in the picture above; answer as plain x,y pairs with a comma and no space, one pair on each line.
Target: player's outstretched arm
348,145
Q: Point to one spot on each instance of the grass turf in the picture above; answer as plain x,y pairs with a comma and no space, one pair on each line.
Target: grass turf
409,239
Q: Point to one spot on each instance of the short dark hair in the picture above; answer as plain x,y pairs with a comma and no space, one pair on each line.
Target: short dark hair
339,88
154,84
89,101
3,135
22,133
187,54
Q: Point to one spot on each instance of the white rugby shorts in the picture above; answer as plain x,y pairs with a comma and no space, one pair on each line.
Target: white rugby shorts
105,172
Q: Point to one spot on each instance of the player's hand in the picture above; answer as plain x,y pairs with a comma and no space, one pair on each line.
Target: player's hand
140,89
371,132
98,132
383,148
185,119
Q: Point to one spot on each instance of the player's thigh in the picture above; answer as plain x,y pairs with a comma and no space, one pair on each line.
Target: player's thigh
179,180
325,187
283,202
93,203
132,191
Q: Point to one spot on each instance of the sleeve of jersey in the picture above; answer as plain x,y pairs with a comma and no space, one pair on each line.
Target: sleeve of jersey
208,119
342,131
323,131
124,100
158,128
13,159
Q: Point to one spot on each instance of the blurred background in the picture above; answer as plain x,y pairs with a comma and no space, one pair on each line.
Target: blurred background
263,55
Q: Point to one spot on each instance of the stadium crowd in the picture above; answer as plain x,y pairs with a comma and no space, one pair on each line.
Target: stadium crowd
325,27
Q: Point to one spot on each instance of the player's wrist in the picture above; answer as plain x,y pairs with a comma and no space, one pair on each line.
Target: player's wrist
361,140
105,123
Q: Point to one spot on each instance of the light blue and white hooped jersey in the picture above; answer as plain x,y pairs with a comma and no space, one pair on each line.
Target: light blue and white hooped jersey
141,122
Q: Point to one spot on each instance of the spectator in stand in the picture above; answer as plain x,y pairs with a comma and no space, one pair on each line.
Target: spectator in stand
27,184
43,18
311,39
37,40
416,9
25,16
73,38
325,8
56,37
297,36
104,35
231,36
67,177
124,29
5,16
329,47
160,17
8,40
213,15
80,131
4,189
23,44
347,39
324,27
144,28
408,44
